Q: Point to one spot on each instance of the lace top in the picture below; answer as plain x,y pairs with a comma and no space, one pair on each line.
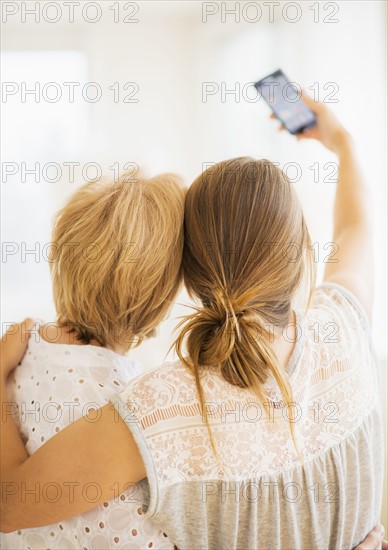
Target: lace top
258,494
55,385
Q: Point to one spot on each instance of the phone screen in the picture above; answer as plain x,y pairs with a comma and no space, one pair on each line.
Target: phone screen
284,100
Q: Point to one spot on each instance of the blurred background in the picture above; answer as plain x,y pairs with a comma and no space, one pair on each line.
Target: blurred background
91,88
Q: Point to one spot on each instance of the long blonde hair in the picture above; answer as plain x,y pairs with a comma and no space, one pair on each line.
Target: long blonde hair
247,251
116,258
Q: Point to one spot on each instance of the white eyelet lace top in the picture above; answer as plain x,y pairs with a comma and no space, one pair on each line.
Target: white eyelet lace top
258,495
55,385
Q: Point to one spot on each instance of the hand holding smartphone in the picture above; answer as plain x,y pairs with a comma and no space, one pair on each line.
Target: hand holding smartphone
285,102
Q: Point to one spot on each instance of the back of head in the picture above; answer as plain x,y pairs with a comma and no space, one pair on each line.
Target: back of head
116,257
247,250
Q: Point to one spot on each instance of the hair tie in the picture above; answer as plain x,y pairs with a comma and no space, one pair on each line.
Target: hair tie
235,314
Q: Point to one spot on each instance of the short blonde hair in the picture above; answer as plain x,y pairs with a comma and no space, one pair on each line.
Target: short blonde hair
116,257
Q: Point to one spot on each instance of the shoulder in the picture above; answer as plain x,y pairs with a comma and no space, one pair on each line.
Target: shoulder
166,385
333,301
337,325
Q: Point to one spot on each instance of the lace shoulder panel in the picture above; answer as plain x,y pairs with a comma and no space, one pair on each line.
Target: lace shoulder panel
338,327
341,303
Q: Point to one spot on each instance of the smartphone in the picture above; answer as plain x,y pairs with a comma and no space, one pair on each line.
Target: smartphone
284,99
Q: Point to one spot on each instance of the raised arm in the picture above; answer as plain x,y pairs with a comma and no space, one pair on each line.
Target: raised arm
352,210
91,461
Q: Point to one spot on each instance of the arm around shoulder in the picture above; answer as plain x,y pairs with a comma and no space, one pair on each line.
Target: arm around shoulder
97,450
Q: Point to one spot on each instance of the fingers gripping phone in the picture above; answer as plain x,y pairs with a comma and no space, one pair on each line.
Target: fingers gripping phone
285,101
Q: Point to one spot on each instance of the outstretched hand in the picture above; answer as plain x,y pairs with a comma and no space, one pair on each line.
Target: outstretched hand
328,130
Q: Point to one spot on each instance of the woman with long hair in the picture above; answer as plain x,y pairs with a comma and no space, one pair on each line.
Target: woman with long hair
266,433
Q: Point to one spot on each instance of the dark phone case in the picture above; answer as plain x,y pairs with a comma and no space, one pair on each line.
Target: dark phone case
275,74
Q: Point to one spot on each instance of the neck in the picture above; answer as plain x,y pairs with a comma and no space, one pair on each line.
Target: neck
55,333
284,343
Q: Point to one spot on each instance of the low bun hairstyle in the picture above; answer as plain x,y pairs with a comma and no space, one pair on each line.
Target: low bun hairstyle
247,252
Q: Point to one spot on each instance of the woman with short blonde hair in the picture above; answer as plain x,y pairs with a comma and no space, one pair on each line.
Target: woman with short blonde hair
116,267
